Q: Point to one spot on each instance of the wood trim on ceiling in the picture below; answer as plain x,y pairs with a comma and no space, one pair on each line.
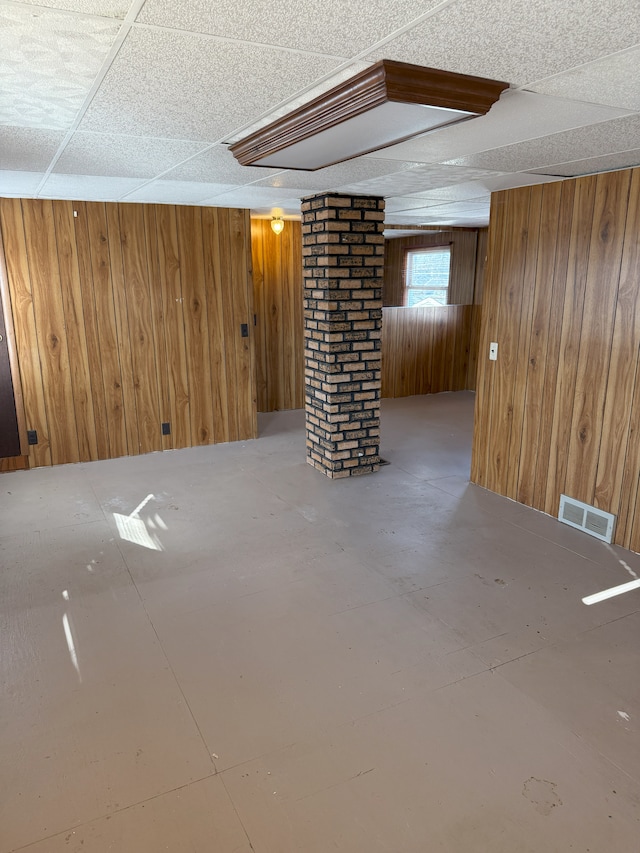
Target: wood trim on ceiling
386,81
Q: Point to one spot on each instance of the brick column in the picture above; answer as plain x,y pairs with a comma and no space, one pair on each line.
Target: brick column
343,260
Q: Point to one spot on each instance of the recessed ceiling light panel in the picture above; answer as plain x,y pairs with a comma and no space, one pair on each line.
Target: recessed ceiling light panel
385,104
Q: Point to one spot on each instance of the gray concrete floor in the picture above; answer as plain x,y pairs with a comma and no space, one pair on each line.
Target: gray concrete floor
263,659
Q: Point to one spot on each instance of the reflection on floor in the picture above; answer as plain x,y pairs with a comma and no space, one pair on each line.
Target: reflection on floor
219,649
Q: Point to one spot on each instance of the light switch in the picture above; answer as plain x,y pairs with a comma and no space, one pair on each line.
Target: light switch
493,351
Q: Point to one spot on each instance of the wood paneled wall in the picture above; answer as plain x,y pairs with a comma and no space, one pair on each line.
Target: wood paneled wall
424,352
128,316
559,411
427,350
278,304
464,248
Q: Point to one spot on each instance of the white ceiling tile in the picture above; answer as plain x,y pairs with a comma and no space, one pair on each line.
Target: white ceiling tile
306,96
177,192
471,190
610,162
621,134
182,86
28,149
332,177
509,182
288,207
480,191
395,233
48,62
328,26
516,117
517,40
103,8
217,165
258,197
612,80
418,179
457,208
125,156
410,203
22,184
170,94
87,188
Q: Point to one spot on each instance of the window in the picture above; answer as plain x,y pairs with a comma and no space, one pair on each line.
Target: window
426,276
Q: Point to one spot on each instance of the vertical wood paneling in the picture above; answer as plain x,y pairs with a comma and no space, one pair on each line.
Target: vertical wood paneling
485,375
507,331
220,379
157,321
173,311
601,294
481,264
474,346
229,320
242,290
562,300
100,304
98,293
51,334
24,328
138,301
87,416
425,350
535,362
524,332
554,337
125,351
463,272
552,474
619,460
196,325
278,305
91,336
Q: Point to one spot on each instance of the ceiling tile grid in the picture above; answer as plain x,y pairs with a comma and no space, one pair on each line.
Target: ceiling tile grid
217,164
28,149
152,100
517,117
419,179
621,134
102,8
612,80
113,155
333,177
48,62
185,86
327,26
87,187
607,163
518,41
17,183
177,192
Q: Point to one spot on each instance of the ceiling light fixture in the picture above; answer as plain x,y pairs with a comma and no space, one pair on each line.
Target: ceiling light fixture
385,104
277,224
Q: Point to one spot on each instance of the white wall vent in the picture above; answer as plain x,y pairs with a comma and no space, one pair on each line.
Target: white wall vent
593,521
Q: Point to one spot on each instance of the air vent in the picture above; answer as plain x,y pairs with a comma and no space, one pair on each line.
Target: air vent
593,521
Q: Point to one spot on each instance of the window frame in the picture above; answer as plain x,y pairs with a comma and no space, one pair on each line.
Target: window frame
424,250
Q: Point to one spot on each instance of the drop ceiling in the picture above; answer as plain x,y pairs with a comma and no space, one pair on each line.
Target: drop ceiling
104,100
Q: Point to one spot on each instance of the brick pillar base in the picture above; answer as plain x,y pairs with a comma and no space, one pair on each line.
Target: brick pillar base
343,260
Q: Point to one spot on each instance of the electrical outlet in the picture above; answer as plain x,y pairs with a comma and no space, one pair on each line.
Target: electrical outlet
493,351
166,428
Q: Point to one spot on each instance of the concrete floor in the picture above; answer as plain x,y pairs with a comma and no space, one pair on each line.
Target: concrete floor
265,660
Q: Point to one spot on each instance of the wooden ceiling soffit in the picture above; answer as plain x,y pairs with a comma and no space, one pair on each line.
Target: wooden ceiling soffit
386,82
